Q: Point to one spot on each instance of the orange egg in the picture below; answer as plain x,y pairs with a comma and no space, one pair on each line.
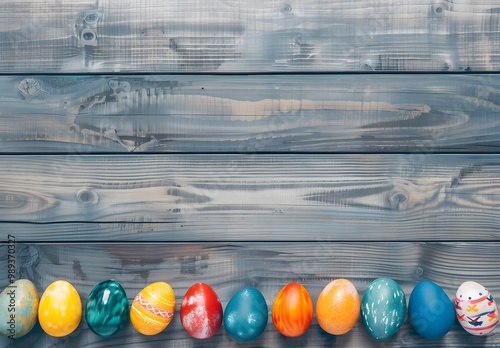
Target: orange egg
153,308
60,309
292,310
338,307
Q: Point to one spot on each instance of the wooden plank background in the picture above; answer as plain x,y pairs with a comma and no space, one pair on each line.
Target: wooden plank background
249,36
263,197
250,143
250,114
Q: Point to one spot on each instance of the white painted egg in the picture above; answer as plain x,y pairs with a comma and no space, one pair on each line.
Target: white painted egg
476,309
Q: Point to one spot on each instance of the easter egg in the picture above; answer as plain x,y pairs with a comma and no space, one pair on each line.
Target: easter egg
476,309
60,309
337,308
107,310
246,315
153,308
292,310
201,311
18,308
383,308
430,310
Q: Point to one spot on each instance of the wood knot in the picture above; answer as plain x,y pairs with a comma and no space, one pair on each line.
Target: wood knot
88,37
398,199
87,196
287,9
29,87
438,10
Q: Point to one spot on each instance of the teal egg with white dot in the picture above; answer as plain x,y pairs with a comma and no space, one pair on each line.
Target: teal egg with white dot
383,308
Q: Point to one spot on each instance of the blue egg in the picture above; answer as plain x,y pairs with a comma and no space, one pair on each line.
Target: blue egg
431,311
246,315
383,308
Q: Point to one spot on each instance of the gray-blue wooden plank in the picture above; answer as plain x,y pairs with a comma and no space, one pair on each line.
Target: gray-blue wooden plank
253,197
242,36
250,114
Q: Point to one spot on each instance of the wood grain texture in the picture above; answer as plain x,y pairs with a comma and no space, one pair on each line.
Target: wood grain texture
245,179
248,197
267,266
250,114
242,36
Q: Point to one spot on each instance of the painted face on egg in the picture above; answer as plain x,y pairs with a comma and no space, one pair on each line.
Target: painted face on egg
476,309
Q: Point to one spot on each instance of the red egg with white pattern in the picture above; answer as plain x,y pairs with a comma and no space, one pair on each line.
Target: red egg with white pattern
201,311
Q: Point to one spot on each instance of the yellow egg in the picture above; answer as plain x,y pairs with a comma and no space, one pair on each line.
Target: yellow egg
60,309
153,308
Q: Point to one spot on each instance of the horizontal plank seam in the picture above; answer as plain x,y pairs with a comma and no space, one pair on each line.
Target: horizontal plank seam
232,241
250,73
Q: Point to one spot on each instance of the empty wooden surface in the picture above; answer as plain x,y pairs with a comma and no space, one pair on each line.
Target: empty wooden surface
248,36
262,197
250,114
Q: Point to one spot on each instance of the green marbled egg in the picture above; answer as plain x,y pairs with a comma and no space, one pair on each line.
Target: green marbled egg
18,308
107,309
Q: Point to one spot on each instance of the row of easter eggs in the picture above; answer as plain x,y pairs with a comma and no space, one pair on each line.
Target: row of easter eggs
338,308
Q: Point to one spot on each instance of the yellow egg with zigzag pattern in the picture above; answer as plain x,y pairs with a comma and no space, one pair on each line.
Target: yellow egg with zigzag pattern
153,308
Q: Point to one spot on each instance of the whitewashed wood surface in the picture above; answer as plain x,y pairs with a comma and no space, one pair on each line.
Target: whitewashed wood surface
379,196
250,114
248,36
250,143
